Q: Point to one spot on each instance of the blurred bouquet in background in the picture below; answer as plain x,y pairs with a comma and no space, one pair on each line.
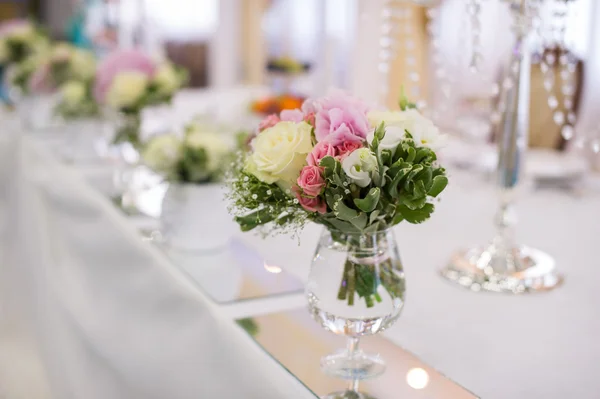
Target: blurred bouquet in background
18,40
287,65
201,156
128,81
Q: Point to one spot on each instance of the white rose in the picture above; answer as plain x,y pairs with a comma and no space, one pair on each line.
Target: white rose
127,89
393,136
72,92
167,79
359,165
216,148
162,153
422,130
279,153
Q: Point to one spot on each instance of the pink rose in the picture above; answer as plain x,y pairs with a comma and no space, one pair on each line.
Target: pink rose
341,135
11,25
268,122
316,204
292,115
310,106
310,118
311,180
118,62
320,151
346,147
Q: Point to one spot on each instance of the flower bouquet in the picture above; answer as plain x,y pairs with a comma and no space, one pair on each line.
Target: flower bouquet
194,216
18,40
128,81
358,172
353,170
60,81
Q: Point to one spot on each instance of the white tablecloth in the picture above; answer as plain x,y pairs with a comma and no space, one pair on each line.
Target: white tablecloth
109,317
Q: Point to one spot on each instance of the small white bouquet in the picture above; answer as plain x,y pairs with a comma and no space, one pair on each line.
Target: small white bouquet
128,81
194,214
200,156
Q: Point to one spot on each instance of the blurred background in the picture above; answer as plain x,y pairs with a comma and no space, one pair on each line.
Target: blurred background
370,48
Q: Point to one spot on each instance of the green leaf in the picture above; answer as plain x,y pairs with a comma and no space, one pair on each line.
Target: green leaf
416,169
254,219
412,153
329,164
373,228
393,186
370,201
416,216
373,216
425,177
414,203
386,157
439,184
419,189
397,218
343,212
423,153
344,227
360,222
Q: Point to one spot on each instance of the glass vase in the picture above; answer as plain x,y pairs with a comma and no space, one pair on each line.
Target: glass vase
127,129
355,288
83,140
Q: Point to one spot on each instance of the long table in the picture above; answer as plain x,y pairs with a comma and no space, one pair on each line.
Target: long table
106,308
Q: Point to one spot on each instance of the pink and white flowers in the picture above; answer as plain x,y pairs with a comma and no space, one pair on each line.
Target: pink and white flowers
340,164
19,38
129,80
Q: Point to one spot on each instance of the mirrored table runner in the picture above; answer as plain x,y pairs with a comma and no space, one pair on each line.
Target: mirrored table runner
235,273
298,343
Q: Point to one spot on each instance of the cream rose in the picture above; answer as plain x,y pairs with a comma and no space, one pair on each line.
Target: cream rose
166,79
422,130
359,165
162,153
83,64
127,89
279,153
72,92
213,144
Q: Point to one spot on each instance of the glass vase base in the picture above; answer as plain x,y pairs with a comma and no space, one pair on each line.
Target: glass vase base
355,366
348,395
520,270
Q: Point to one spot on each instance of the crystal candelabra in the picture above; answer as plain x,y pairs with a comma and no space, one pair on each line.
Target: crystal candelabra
503,265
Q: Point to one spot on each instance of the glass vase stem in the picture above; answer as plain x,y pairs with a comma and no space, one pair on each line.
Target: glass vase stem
352,345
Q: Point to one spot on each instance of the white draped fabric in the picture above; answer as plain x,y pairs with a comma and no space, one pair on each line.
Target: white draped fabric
109,316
